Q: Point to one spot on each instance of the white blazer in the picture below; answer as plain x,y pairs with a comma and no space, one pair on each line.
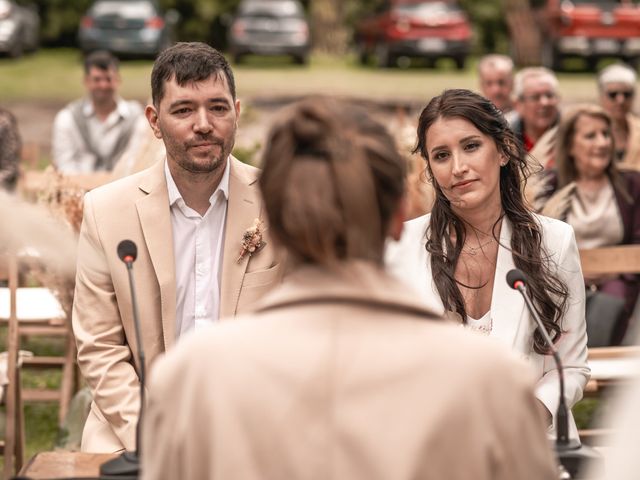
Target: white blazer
512,324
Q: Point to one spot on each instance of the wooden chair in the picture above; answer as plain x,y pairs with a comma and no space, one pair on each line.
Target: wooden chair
12,446
619,259
39,313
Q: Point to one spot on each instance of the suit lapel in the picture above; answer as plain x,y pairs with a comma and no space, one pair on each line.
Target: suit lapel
507,305
242,208
155,220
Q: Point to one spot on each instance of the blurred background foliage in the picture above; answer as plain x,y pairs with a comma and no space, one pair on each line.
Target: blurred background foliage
332,21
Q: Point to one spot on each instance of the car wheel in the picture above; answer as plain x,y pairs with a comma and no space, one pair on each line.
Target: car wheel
383,57
302,59
460,62
17,49
362,54
550,57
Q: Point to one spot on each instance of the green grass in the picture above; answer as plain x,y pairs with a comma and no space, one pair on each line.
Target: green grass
56,75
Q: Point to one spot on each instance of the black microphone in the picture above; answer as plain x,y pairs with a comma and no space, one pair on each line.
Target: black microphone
571,453
127,465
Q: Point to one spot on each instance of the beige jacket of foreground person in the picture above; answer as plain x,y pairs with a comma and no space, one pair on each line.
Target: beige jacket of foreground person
342,377
137,208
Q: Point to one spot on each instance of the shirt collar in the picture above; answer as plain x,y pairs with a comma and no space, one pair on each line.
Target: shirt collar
174,193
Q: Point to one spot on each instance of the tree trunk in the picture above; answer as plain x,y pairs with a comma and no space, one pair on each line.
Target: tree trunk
329,31
524,30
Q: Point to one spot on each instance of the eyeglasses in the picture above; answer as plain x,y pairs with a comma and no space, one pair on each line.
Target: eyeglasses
536,97
613,94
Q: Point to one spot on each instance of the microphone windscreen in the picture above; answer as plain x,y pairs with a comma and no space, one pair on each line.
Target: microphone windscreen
514,276
126,248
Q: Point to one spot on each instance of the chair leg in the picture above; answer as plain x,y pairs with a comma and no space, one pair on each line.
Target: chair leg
20,434
10,429
68,377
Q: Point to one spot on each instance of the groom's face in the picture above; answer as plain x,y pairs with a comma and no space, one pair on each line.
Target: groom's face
197,123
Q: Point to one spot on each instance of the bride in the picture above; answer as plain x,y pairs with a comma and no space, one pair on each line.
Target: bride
479,229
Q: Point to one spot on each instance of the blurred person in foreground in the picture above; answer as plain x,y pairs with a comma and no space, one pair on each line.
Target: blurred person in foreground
203,249
617,89
340,373
91,133
480,228
10,151
535,90
598,200
495,73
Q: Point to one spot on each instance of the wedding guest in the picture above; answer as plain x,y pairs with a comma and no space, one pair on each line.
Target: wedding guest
479,229
495,73
598,200
340,373
617,88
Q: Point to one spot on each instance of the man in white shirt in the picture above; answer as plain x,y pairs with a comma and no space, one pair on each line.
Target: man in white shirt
203,253
91,133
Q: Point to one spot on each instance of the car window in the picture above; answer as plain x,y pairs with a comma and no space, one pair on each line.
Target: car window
275,8
130,9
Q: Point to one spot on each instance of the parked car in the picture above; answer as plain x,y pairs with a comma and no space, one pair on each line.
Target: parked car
270,27
127,27
591,29
414,29
19,28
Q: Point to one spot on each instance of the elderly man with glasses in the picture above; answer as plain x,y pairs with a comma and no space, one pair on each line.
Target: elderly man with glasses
617,87
536,100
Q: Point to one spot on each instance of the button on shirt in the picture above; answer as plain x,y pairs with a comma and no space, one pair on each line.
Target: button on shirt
197,250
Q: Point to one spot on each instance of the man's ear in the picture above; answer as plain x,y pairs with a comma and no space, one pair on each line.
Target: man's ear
396,224
152,117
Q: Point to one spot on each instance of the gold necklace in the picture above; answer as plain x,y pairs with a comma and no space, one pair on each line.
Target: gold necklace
474,250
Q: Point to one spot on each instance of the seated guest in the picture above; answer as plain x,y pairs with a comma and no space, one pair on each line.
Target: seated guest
496,81
91,133
599,201
340,373
10,145
617,87
535,90
480,228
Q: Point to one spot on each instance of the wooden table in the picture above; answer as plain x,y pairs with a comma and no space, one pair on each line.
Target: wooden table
65,464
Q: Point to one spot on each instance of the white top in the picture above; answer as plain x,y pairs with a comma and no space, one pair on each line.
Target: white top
482,325
511,322
595,218
197,250
68,150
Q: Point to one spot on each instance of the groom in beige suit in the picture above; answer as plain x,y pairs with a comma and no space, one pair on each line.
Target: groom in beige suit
190,217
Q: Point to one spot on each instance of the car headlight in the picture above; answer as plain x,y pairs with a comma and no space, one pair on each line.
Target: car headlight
7,27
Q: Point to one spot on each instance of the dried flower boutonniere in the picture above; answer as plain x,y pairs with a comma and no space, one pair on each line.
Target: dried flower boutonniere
252,241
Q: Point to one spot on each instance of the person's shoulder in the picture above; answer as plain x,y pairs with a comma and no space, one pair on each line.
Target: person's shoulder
552,226
416,227
243,171
123,189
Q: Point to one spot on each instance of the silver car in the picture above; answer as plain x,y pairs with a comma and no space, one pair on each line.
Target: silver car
127,27
19,28
270,27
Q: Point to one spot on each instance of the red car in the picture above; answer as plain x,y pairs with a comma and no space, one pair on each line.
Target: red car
414,29
591,29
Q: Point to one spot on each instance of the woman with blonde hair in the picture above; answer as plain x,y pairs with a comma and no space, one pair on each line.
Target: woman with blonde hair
340,373
598,200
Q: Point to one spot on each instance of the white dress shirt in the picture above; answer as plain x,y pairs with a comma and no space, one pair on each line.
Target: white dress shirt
68,149
197,251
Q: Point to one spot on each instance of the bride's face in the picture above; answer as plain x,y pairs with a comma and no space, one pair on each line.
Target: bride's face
465,163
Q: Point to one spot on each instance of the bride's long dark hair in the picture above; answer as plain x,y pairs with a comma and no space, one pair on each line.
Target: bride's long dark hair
547,290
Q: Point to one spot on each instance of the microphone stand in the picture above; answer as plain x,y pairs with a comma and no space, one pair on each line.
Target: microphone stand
127,465
571,453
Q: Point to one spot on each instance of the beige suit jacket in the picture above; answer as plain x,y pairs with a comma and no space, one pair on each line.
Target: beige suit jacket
342,376
137,208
